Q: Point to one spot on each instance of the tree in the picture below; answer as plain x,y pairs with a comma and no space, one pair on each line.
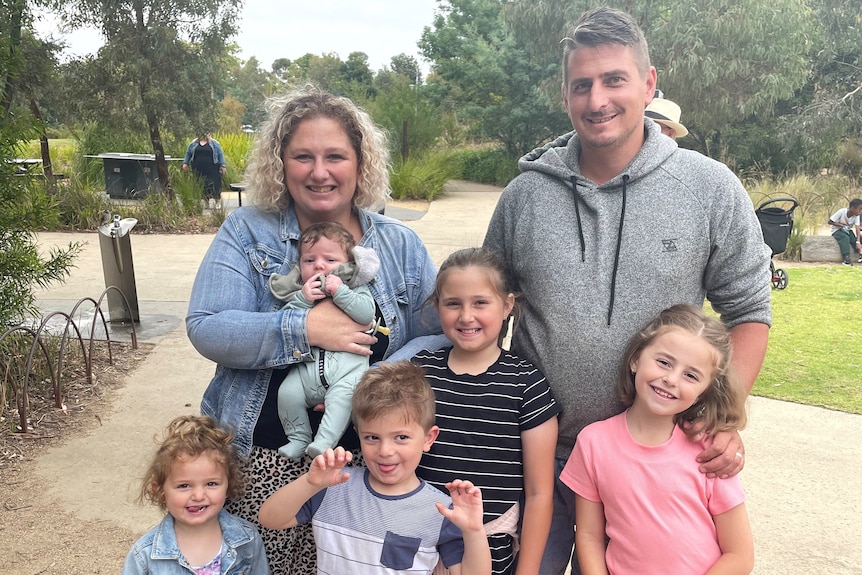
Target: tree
251,85
230,116
825,115
407,66
355,73
169,52
480,68
412,121
24,207
721,61
323,71
280,66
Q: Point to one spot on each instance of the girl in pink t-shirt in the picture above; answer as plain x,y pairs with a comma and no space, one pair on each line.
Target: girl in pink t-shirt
641,502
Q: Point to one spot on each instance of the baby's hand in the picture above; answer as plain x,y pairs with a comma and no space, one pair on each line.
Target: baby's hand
332,283
466,512
327,469
312,289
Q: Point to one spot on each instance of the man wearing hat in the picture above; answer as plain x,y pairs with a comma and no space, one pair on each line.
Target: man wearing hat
666,114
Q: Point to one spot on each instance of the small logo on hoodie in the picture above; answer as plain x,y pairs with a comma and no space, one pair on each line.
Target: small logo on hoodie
669,245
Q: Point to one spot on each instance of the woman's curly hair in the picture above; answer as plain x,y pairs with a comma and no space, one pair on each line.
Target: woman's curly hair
265,172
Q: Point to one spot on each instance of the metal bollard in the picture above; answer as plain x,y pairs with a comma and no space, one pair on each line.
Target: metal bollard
119,270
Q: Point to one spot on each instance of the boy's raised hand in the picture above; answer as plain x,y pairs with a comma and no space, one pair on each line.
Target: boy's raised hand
467,510
327,469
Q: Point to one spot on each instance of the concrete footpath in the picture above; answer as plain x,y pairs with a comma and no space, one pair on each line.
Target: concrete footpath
803,474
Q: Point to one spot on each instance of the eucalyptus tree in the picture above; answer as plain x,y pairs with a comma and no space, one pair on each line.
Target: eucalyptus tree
169,52
492,79
826,114
721,60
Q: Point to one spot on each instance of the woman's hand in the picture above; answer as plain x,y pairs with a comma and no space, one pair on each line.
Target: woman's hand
330,328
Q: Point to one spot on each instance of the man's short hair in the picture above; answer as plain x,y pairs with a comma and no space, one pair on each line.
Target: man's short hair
604,25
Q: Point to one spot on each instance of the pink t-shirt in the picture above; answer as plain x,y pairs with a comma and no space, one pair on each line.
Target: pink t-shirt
658,506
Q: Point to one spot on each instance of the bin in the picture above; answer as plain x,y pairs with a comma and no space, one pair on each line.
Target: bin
129,175
119,270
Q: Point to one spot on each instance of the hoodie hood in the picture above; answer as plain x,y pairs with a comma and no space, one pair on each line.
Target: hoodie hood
362,268
559,159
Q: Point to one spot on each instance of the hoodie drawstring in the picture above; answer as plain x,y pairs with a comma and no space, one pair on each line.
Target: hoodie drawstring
617,253
578,217
574,181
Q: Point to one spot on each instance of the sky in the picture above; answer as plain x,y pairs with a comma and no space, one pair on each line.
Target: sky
271,29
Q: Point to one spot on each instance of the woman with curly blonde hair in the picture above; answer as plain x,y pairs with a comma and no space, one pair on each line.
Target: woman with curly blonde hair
319,158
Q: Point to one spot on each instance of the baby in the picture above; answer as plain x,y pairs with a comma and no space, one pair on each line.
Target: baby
330,265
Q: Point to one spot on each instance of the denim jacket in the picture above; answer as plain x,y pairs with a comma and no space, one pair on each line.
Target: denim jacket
236,321
218,154
157,552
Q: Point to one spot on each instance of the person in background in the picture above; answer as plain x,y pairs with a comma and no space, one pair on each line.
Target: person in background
383,519
191,475
497,416
641,503
610,224
666,114
206,159
847,230
319,158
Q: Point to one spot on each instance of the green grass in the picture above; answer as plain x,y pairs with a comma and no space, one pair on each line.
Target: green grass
815,344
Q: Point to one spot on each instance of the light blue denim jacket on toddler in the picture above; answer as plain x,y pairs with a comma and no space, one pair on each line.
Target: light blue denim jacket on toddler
157,552
236,321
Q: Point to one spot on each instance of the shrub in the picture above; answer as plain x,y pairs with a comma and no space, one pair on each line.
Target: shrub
63,154
421,177
189,190
818,198
236,147
24,208
485,165
80,208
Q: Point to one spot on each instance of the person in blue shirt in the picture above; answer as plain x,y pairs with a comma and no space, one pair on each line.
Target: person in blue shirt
206,159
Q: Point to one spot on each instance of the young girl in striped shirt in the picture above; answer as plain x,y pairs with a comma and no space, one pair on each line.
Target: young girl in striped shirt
496,414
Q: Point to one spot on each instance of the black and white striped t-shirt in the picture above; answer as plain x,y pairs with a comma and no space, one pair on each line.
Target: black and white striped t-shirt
481,418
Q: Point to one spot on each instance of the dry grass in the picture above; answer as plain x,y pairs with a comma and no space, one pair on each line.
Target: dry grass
49,425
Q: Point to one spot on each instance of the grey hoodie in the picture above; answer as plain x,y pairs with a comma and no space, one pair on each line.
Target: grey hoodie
595,263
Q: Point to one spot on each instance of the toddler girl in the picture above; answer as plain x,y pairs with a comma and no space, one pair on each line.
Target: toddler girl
194,470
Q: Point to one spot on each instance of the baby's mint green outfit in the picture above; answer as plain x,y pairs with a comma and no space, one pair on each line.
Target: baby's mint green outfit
329,377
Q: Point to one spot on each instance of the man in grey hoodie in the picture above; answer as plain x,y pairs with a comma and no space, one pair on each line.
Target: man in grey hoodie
610,224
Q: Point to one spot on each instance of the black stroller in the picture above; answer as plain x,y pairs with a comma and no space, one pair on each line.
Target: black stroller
776,223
